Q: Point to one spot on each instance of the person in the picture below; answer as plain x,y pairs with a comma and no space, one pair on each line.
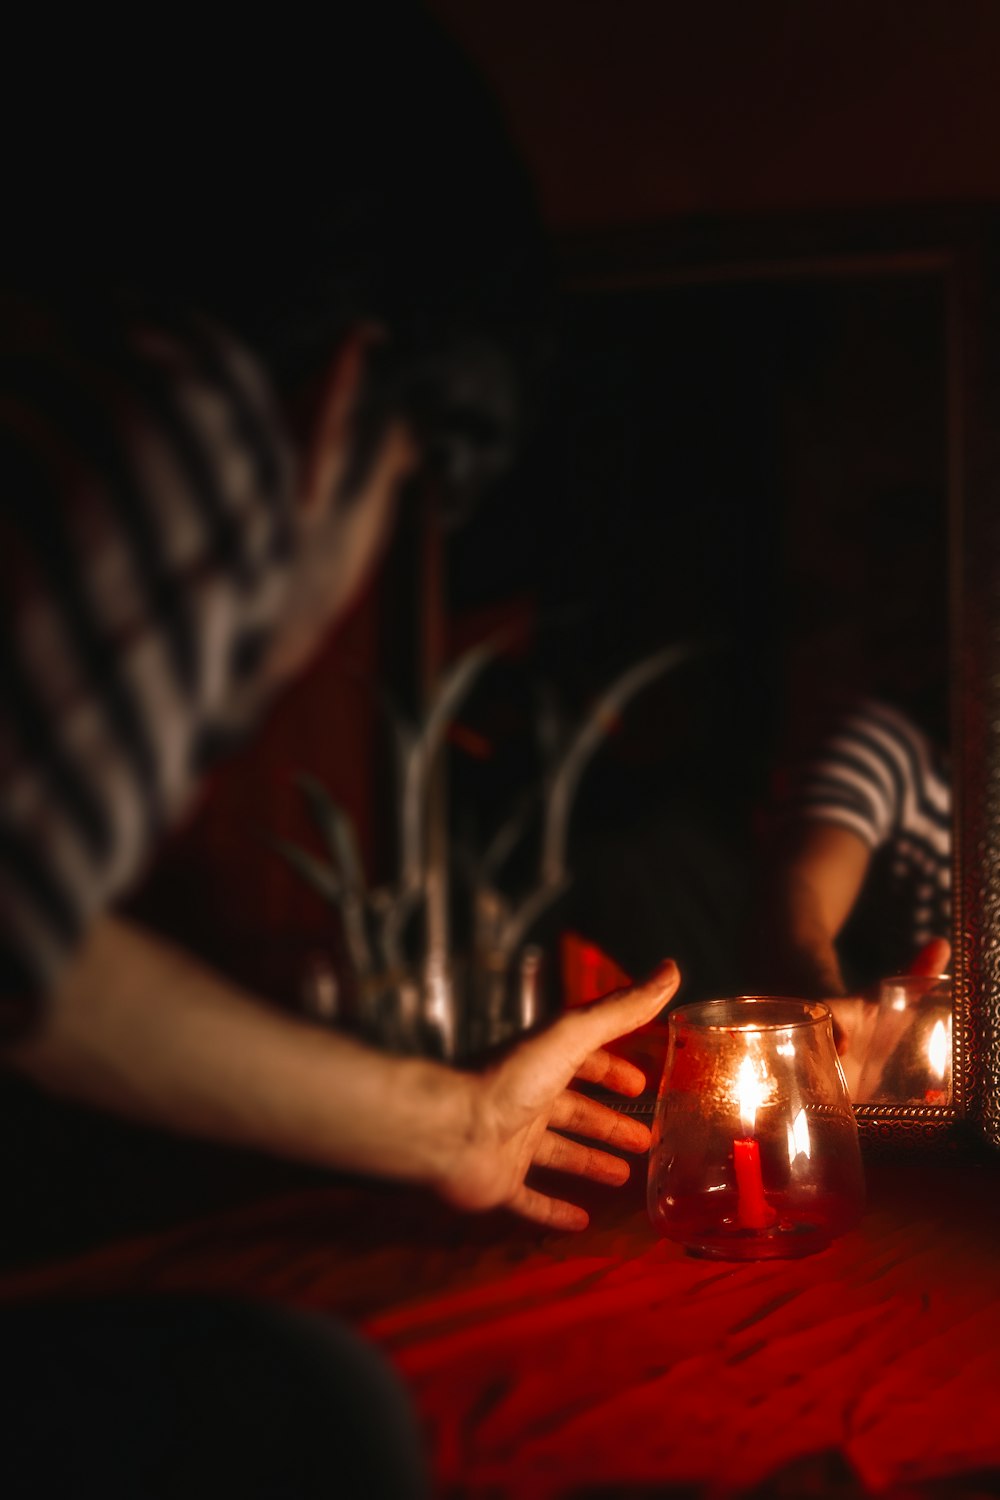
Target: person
232,333
859,884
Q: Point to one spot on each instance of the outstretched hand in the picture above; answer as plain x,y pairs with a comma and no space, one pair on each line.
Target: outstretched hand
519,1109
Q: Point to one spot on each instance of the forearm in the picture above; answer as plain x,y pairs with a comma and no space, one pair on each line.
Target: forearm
140,1028
804,957
816,875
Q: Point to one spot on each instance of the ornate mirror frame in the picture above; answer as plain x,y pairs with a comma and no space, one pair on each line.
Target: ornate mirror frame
962,246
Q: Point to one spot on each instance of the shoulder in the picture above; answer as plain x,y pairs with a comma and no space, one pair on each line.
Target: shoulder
137,429
889,733
146,530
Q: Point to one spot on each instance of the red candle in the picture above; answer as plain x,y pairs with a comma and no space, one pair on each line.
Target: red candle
752,1209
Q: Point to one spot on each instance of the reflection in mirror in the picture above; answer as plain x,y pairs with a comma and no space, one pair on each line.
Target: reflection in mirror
897,1049
858,878
762,464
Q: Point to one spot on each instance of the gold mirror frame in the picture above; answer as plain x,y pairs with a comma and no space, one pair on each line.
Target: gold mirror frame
962,246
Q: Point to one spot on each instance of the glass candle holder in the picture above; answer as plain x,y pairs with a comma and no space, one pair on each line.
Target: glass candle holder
755,1149
908,1060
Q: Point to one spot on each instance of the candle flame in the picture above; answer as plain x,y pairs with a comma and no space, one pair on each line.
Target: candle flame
937,1049
751,1092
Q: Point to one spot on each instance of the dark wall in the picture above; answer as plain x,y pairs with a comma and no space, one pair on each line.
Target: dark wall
759,467
632,111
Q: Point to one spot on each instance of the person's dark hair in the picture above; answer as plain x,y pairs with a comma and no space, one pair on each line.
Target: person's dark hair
294,185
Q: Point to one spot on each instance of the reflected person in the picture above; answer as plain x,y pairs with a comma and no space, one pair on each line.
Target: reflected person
859,878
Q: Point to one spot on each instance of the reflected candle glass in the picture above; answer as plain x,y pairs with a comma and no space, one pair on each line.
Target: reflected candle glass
908,1060
755,1149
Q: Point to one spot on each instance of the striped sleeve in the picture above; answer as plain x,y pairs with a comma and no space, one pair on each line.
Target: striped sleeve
145,543
867,775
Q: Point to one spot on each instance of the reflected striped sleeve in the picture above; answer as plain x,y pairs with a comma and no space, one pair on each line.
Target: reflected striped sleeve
879,775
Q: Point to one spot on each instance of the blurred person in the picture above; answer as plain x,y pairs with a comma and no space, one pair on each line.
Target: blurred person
859,884
233,330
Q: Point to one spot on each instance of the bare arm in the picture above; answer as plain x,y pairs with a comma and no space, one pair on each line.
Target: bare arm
817,877
140,1028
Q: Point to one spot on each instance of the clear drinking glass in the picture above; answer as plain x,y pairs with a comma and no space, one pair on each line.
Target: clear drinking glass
755,1148
908,1060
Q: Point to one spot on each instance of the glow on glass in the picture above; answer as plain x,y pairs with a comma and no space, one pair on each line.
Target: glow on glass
799,1143
937,1049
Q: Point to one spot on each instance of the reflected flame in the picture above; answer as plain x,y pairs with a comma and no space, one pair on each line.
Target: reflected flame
751,1091
799,1143
937,1049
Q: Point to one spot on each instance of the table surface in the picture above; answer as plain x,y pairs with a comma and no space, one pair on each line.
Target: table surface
613,1364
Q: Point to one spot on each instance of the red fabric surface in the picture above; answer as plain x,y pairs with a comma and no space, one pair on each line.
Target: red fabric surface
639,1366
611,1363
587,971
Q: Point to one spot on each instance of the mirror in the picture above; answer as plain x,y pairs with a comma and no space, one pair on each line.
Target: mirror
759,442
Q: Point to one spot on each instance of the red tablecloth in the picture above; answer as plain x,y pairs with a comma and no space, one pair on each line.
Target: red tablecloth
612,1364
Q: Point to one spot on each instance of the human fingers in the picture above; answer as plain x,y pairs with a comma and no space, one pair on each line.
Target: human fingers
530,1080
582,1116
588,1028
560,1155
558,1054
933,958
554,1213
612,1072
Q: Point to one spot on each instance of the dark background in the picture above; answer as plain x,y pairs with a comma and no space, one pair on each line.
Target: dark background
756,466
730,460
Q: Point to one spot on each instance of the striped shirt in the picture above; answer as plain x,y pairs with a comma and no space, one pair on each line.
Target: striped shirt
146,542
881,777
